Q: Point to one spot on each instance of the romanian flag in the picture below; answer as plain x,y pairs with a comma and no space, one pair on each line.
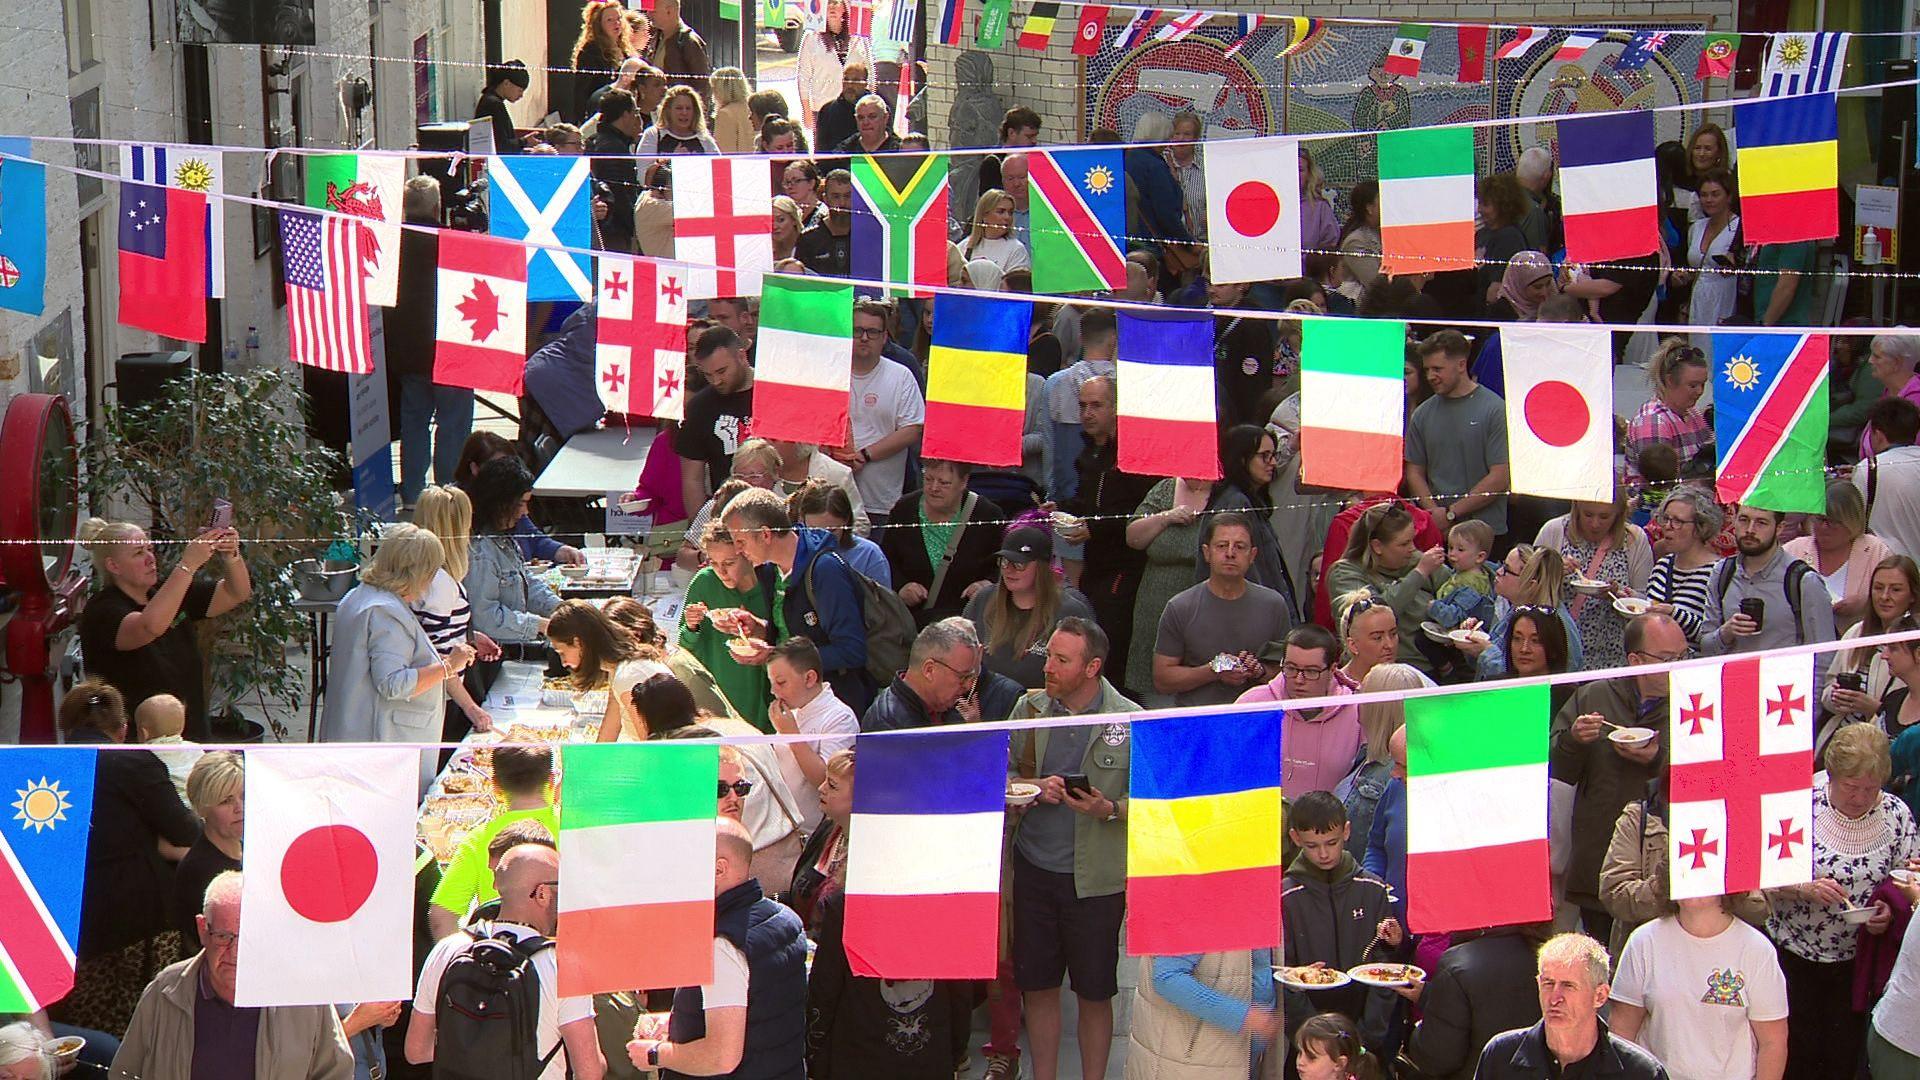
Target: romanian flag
1164,365
1789,168
1039,25
1203,834
977,379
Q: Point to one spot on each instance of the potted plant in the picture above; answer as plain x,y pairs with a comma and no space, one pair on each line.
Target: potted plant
239,437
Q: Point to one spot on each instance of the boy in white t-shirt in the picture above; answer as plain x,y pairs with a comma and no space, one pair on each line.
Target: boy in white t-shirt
160,719
1703,991
803,704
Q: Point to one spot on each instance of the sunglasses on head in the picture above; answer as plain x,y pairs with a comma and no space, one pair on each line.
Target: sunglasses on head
1534,609
741,788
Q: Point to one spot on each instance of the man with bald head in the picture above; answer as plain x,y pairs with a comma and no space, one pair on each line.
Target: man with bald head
751,1020
187,1024
528,880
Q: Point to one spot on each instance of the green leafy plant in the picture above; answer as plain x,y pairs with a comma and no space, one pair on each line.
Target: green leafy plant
239,437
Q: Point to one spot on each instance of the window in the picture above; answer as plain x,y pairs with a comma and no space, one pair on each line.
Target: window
83,49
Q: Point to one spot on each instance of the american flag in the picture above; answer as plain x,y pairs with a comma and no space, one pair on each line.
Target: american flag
326,292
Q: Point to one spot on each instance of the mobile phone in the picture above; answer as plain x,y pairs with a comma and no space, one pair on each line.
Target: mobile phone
222,515
1723,260
1855,681
1077,783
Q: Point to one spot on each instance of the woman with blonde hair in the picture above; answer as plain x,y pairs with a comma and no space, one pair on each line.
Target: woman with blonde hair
217,795
1601,545
386,682
992,237
1381,558
601,656
1678,372
634,619
1859,678
1529,579
1842,552
443,610
604,42
1360,792
680,128
786,227
732,121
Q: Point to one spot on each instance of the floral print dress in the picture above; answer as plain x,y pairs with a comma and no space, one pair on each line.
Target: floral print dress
1602,630
1856,854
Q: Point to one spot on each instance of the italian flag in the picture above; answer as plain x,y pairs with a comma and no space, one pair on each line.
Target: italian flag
636,866
1351,395
803,373
1409,45
1426,200
1477,809
368,186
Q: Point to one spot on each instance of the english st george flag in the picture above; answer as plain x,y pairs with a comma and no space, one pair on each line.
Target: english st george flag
722,224
482,327
1740,813
640,357
1253,209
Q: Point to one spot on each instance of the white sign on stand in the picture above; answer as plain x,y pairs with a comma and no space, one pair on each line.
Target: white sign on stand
627,516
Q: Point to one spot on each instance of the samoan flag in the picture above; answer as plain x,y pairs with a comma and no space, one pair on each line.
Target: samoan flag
23,229
545,201
1770,420
44,842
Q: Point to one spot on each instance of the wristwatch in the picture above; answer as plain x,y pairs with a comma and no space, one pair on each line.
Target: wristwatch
653,1056
866,457
1113,814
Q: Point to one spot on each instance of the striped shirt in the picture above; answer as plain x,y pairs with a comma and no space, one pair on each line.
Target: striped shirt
1686,590
444,613
1656,422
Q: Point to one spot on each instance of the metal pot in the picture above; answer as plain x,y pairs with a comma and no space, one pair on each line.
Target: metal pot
322,582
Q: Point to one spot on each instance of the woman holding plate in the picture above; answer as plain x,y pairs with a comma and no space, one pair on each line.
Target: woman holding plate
1608,556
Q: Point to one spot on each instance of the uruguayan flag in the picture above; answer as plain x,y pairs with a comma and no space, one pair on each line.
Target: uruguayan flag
1804,64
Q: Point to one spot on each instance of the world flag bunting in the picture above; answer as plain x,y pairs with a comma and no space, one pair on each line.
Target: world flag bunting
1077,216
1740,791
1182,25
1770,420
1409,46
631,923
1038,28
977,379
1523,40
44,842
1472,42
1804,64
1477,810
1352,403
330,866
546,201
900,219
992,31
1138,29
1203,833
722,224
1244,26
1087,31
923,850
1641,48
640,351
195,168
953,22
1559,393
163,260
1426,200
1163,368
368,186
1575,45
23,228
1789,168
1302,33
1607,186
803,370
1717,55
481,333
327,323
1253,209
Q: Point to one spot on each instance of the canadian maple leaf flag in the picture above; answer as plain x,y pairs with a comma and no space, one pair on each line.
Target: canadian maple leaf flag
481,333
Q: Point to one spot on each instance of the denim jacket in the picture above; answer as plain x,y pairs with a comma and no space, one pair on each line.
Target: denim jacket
508,602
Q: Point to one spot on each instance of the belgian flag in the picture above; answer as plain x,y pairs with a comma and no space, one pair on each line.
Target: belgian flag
1039,25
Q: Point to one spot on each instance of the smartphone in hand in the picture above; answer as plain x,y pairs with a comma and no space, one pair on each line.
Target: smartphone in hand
222,515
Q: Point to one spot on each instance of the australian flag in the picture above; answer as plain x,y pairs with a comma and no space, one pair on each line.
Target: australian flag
1642,48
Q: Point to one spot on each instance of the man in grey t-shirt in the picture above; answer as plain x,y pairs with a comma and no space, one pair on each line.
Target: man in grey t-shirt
1457,440
1223,615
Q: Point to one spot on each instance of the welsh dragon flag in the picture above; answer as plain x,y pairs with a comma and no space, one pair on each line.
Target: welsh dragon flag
368,186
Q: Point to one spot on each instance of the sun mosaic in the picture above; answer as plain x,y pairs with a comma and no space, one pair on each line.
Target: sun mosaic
41,805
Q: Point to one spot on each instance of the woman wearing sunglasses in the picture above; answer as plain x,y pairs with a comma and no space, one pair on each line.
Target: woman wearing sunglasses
1679,373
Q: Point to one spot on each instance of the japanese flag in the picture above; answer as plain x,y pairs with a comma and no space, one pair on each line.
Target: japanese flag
1253,209
327,901
1559,410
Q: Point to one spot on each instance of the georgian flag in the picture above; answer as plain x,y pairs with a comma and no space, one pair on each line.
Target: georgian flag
640,359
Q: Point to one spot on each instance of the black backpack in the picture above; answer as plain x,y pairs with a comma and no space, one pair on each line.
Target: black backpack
1797,571
487,1014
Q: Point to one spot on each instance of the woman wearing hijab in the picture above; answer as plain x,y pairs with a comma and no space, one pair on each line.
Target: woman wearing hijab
1527,284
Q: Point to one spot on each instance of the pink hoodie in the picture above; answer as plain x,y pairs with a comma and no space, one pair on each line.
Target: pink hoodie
1315,754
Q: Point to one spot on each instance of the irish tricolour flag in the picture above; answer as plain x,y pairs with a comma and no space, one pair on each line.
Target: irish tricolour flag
1426,200
1477,809
1352,386
803,375
636,866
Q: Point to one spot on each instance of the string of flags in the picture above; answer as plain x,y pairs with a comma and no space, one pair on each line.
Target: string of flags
330,848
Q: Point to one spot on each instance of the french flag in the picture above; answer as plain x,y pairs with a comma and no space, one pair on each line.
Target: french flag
1577,43
1164,371
923,854
1607,186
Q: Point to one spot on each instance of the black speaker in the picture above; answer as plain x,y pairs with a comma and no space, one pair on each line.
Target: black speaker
142,377
1896,117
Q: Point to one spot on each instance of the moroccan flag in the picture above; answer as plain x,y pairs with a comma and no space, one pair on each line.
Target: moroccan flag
481,336
1789,168
1426,200
1477,809
1078,215
629,922
1740,797
1038,28
1770,420
803,371
977,379
1717,54
1087,32
368,186
1607,186
900,219
45,844
1163,371
163,260
1409,45
1473,53
1352,393
1203,833
1559,391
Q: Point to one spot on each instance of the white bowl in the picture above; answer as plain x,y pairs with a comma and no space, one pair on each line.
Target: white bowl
1435,632
1461,637
1590,586
1632,736
740,650
1631,606
1858,916
66,1048
1903,877
1020,793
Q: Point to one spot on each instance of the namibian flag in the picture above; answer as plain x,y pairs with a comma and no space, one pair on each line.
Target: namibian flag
1770,419
1203,834
45,847
977,379
1164,369
1789,168
900,219
1078,216
1038,28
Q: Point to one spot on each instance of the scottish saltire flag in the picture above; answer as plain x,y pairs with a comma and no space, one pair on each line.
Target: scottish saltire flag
23,228
1164,381
1804,64
195,168
545,200
1770,420
900,219
44,840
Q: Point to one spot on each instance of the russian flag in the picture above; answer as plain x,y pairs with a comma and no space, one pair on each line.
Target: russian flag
1164,367
1607,186
923,855
953,22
